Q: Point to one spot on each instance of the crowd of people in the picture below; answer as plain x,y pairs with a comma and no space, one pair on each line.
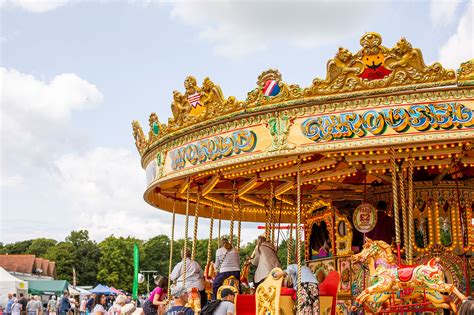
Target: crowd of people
95,304
188,284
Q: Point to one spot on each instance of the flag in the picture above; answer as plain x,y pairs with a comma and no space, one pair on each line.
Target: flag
136,263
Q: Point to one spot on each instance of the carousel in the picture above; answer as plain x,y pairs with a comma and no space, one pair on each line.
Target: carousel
381,126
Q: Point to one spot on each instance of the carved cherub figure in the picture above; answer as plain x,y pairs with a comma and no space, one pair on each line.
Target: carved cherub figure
190,84
341,64
178,107
407,56
212,93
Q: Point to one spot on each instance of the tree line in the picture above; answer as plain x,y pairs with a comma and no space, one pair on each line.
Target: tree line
110,261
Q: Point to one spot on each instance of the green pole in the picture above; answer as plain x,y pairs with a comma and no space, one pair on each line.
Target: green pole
136,262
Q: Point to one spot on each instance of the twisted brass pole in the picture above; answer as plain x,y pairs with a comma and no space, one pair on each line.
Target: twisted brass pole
298,236
171,247
232,215
410,211
186,227
289,246
395,196
272,222
196,220
239,226
401,181
211,227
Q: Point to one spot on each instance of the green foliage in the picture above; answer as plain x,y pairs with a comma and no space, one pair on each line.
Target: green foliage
116,262
18,247
63,255
40,246
86,253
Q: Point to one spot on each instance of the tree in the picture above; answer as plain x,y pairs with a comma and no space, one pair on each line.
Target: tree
40,246
116,262
63,255
156,254
18,247
86,253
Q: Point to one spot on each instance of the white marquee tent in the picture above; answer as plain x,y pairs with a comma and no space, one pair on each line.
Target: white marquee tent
10,284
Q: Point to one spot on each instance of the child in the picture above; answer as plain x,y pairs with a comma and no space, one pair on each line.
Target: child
155,304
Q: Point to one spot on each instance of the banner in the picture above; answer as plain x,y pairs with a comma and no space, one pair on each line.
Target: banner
136,263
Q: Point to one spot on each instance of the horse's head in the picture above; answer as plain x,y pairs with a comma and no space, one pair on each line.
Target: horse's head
371,249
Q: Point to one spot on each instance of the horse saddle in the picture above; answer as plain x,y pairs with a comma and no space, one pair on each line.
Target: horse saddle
405,273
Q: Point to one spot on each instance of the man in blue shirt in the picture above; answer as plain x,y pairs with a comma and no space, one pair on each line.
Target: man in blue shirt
64,305
180,296
8,310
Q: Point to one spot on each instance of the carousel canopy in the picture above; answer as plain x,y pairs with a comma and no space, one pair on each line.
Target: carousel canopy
377,110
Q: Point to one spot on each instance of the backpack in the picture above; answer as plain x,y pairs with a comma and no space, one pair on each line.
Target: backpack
210,308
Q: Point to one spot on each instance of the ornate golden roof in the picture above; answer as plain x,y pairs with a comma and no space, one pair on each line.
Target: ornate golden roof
373,69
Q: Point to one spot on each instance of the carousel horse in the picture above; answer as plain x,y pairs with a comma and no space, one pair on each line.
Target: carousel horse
194,301
387,277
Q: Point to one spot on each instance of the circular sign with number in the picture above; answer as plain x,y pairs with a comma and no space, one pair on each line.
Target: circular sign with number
365,218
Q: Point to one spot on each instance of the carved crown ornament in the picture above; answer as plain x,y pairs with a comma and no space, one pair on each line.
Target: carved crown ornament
374,68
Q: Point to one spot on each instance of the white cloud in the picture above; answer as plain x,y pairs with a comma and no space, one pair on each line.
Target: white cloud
460,46
237,28
105,186
443,12
11,181
35,117
35,6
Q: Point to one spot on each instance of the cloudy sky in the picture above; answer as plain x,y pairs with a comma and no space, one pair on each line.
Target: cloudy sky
74,74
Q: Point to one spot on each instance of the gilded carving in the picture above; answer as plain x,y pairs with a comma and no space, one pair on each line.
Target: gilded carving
139,136
279,127
466,73
376,66
271,89
157,129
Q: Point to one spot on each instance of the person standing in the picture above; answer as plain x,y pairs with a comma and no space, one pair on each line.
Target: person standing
64,305
265,258
309,286
226,307
100,305
52,306
16,307
31,306
23,302
194,276
82,306
180,296
38,305
11,300
90,303
227,264
119,302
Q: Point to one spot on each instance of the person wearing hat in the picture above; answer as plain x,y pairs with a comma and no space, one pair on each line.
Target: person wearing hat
180,296
226,307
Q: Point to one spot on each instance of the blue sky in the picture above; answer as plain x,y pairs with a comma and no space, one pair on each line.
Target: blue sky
75,74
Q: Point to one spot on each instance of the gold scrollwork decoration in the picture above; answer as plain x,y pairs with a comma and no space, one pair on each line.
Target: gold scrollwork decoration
465,73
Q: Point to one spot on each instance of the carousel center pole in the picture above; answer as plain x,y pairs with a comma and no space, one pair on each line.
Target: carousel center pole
401,181
395,202
298,236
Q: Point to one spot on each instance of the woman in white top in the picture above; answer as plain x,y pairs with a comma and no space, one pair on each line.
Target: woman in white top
227,264
100,302
16,307
194,276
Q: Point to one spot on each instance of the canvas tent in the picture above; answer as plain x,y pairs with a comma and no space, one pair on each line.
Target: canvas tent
100,288
47,287
9,283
